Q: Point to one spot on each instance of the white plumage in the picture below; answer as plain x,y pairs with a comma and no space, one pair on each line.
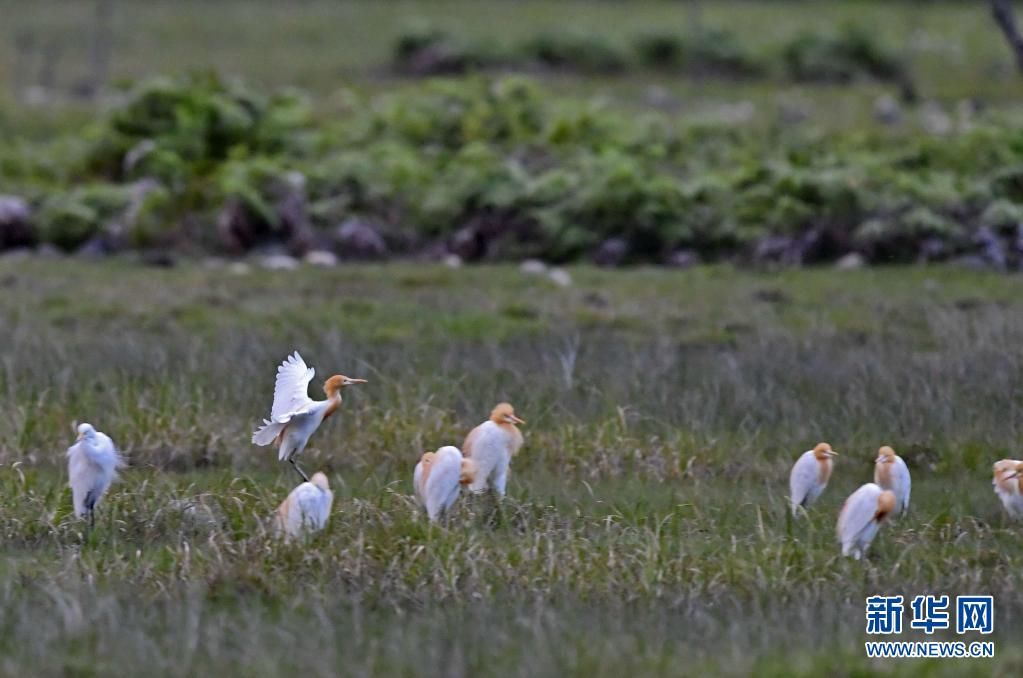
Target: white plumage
307,508
294,416
92,466
438,478
861,518
810,475
492,445
1007,483
891,473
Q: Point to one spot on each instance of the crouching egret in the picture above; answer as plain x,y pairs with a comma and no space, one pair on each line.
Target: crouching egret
491,445
1008,484
92,464
438,478
294,416
861,517
891,473
307,507
810,475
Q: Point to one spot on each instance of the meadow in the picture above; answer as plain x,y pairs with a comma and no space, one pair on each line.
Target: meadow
645,529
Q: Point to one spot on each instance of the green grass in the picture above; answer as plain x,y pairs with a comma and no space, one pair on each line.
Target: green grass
322,46
645,529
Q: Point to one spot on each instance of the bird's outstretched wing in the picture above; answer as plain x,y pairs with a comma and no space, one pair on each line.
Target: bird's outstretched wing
291,391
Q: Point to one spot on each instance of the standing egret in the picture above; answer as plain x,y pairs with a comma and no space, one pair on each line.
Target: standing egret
1008,484
438,478
306,508
92,464
861,518
294,416
891,473
810,475
491,445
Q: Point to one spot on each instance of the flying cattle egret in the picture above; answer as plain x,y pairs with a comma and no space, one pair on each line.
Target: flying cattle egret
491,445
438,478
861,518
810,475
891,473
306,508
92,465
294,416
1008,484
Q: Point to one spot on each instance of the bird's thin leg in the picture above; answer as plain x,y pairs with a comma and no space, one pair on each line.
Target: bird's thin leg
305,478
92,520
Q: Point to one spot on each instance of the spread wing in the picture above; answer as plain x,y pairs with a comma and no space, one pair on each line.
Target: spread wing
291,391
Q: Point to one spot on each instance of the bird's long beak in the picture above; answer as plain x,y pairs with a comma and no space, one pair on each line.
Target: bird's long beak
516,420
80,436
879,460
831,453
1014,474
350,381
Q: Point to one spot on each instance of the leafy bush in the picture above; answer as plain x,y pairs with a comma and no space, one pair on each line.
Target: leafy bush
494,168
426,50
850,54
577,50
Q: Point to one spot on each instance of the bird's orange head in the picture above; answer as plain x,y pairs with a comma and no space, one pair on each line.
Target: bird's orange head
885,455
467,473
427,459
823,451
885,505
504,413
1004,469
334,385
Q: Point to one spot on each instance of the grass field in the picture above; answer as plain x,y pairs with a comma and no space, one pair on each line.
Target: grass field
645,529
954,49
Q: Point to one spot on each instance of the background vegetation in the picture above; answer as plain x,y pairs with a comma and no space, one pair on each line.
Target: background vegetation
645,531
888,131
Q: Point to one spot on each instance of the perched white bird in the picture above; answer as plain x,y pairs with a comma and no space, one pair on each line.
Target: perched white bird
861,517
294,416
307,507
1008,484
891,473
810,475
491,445
438,479
92,464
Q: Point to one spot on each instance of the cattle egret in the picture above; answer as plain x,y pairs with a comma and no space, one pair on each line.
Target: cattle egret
294,416
438,478
1008,484
891,473
307,507
861,518
491,445
810,475
92,464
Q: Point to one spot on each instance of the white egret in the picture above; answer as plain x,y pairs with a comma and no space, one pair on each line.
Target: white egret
491,445
861,518
891,473
307,507
92,464
294,416
1008,484
810,475
438,479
